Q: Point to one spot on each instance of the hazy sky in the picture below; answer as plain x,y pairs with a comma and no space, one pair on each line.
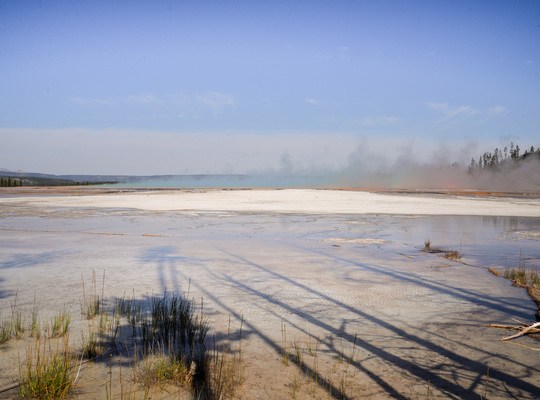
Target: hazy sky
234,86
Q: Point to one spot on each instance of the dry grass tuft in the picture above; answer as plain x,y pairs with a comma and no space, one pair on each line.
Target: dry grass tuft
452,255
523,277
47,373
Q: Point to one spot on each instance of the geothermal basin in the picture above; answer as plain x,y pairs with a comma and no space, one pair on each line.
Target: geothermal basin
337,279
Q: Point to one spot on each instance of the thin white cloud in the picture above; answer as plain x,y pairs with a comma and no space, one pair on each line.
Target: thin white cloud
466,113
453,112
142,99
180,104
383,120
92,101
216,101
438,106
310,100
497,110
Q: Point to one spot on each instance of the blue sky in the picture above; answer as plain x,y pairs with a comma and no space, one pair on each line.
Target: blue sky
237,86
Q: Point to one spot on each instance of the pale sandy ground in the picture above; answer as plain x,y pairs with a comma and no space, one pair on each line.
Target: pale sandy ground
332,267
293,201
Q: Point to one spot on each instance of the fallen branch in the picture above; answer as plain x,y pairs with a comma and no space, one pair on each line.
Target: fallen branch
509,327
534,328
523,329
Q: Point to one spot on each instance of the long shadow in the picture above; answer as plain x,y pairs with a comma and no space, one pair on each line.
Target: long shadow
448,387
466,345
322,382
458,289
387,387
456,292
424,374
26,261
127,345
472,293
166,258
29,260
4,293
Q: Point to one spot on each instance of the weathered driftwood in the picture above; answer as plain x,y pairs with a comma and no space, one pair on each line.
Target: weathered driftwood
534,328
522,329
509,327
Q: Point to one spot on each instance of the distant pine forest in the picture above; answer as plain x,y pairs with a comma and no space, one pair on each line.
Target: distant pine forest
23,180
499,159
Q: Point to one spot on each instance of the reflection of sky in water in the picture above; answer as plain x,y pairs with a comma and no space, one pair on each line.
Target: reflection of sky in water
487,240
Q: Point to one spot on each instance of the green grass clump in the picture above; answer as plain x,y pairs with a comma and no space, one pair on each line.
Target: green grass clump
534,279
91,347
34,325
13,327
165,369
91,308
47,373
522,276
226,373
93,304
5,331
18,324
528,279
175,330
165,336
128,308
60,324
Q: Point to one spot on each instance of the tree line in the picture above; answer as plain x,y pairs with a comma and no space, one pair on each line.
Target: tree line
508,156
8,181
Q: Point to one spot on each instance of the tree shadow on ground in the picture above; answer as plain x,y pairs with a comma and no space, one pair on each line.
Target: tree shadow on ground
26,261
452,373
444,376
121,324
29,260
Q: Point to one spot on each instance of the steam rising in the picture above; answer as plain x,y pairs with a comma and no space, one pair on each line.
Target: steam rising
369,169
409,174
297,159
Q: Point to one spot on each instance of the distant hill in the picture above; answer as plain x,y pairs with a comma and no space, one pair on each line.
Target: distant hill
23,178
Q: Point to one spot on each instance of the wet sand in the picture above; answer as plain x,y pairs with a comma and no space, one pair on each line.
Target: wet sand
338,268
